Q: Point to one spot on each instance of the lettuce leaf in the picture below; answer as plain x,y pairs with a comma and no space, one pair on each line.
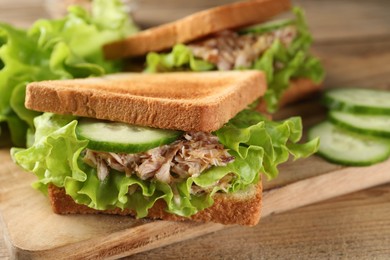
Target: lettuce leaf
295,60
55,49
258,145
181,58
266,27
268,143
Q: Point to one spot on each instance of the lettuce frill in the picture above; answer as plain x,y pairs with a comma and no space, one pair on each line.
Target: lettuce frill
258,145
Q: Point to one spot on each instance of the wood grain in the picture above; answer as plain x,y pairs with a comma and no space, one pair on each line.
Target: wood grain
22,12
356,64
355,226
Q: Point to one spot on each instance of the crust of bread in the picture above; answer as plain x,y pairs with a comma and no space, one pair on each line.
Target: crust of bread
183,101
299,89
196,26
242,208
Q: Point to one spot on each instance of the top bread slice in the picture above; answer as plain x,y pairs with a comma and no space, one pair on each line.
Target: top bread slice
196,26
184,101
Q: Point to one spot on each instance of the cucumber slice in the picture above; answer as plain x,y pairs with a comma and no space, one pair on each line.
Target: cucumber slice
348,148
378,125
122,138
357,100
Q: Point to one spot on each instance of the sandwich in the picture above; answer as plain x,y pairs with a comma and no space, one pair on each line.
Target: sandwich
237,36
176,146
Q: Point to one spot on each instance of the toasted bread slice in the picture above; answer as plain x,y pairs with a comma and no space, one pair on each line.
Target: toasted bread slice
196,26
181,101
242,208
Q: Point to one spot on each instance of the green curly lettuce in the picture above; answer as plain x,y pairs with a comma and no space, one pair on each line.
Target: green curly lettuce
55,49
257,144
293,61
180,58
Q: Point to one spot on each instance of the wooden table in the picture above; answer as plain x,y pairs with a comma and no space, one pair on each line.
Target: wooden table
353,39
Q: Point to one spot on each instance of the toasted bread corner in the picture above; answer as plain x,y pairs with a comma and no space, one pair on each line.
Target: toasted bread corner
196,26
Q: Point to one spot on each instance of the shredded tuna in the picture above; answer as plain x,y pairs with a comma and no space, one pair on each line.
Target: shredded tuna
223,184
228,49
189,156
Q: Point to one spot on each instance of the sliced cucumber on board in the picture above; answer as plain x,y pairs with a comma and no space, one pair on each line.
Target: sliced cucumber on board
122,138
348,148
357,100
378,125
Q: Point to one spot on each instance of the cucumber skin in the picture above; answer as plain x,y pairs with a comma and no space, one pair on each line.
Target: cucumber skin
350,163
116,148
376,133
357,109
347,162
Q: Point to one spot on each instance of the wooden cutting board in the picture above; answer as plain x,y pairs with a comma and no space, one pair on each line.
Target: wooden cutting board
33,231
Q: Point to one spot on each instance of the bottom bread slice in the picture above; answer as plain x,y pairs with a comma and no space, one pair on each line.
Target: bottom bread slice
242,207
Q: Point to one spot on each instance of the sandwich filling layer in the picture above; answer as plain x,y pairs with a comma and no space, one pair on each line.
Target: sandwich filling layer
184,174
229,50
189,156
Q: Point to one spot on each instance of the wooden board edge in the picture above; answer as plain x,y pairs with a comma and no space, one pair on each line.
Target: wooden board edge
325,187
7,240
122,243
